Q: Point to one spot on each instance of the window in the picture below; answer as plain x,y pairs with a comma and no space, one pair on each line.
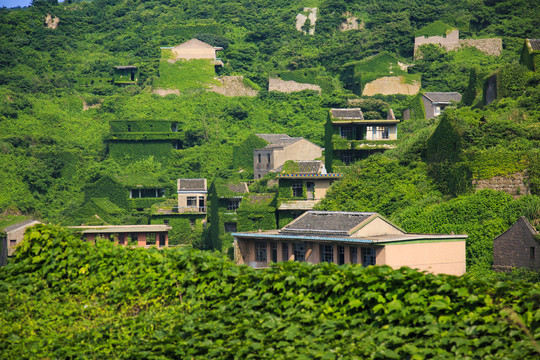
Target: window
532,252
174,127
230,227
341,255
436,110
259,157
285,251
274,252
12,242
345,132
192,224
382,132
327,253
151,239
297,189
192,201
346,157
260,251
232,204
354,255
166,221
299,252
133,239
129,128
268,158
146,193
368,256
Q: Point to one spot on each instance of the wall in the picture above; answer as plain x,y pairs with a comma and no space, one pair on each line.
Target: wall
300,150
275,84
377,227
194,52
491,47
435,257
391,85
429,109
17,236
233,86
449,42
516,184
512,249
182,201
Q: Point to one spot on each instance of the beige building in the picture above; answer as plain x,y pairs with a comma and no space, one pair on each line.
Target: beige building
351,238
192,195
196,49
137,235
15,234
281,148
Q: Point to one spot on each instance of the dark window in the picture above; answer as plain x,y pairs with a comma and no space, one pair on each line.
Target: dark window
368,256
161,239
192,201
285,251
135,193
297,189
151,239
174,127
202,205
346,157
233,204
327,253
129,128
192,224
230,227
146,193
274,252
121,239
354,255
12,242
166,222
259,157
341,255
260,251
268,157
133,239
345,132
532,252
299,252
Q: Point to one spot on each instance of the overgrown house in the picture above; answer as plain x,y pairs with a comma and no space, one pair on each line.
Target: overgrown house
350,136
281,148
517,247
435,102
351,238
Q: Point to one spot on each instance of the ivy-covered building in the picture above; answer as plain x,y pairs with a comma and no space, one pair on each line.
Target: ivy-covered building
137,139
530,55
125,75
435,102
350,136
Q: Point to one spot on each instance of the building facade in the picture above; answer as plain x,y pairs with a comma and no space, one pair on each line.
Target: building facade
192,195
517,247
136,235
436,102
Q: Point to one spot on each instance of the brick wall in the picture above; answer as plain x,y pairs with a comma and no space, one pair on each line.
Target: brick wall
513,248
275,84
491,47
514,184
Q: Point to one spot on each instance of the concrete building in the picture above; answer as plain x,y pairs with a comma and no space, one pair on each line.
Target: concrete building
280,148
15,234
351,238
517,247
196,49
137,235
192,195
436,102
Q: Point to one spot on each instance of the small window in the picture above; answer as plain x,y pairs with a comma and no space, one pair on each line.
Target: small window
285,251
129,128
437,110
297,189
192,224
232,204
12,243
230,227
259,157
166,222
174,127
134,193
354,255
191,201
368,256
151,239
260,251
274,252
299,252
346,157
341,255
133,239
268,158
532,252
345,132
327,253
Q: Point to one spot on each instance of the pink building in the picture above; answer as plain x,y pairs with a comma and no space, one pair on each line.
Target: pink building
137,235
351,238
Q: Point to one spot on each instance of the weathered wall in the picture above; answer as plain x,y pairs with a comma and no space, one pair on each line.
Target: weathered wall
233,86
451,41
391,85
488,46
350,22
275,84
516,184
513,249
301,19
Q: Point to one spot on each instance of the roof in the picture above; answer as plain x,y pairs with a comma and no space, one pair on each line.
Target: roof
309,176
327,222
241,188
20,225
443,97
305,167
191,184
347,114
535,44
125,67
108,229
278,140
298,205
521,222
196,43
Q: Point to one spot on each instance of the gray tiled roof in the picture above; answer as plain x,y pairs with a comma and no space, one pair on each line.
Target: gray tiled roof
274,138
191,184
19,225
535,44
305,167
326,222
442,97
354,113
241,188
125,67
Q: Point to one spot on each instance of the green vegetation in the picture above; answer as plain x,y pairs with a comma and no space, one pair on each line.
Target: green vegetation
435,28
186,75
62,297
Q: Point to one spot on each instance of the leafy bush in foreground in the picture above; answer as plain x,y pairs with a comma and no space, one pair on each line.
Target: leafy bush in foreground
63,298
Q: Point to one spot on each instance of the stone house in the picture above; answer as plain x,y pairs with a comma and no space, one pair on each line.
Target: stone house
353,137
137,235
15,234
192,195
351,238
197,49
435,102
280,148
517,247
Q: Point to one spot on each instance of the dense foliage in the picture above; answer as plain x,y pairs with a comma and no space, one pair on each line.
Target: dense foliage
64,298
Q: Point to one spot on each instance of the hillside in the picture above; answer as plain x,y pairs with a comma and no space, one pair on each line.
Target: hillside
59,108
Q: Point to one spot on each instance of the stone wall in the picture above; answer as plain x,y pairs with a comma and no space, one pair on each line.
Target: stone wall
301,19
390,85
512,249
233,86
276,84
491,47
514,184
350,23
